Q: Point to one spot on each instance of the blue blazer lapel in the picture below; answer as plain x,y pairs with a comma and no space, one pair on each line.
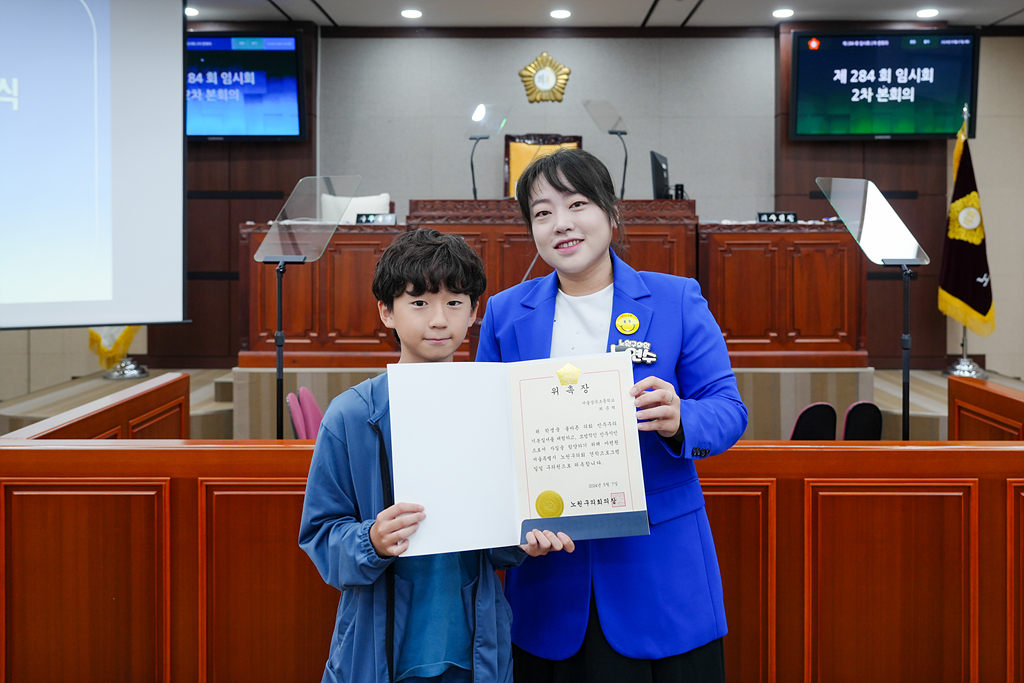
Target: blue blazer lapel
629,297
533,327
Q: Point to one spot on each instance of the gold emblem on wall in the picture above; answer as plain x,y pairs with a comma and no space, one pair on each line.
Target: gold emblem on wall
545,79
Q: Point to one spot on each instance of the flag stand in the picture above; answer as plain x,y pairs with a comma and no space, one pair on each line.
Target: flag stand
965,367
969,298
126,368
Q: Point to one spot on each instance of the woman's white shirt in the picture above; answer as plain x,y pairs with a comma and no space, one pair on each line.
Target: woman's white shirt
581,323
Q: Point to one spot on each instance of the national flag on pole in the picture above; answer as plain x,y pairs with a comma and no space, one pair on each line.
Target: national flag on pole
965,288
111,343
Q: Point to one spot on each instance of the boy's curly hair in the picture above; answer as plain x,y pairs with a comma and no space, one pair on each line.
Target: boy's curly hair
421,261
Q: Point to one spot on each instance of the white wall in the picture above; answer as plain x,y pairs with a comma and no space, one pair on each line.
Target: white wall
998,157
396,112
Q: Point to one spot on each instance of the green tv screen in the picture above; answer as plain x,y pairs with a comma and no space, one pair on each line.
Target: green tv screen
883,85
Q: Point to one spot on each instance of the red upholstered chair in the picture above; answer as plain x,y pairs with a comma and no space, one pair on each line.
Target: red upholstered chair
311,413
296,416
863,422
816,422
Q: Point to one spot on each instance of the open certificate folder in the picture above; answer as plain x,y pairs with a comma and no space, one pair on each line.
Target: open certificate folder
494,450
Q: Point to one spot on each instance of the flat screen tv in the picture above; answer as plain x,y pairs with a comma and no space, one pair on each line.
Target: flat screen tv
244,87
883,85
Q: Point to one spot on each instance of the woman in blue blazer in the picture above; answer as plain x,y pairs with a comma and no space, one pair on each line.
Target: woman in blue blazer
643,608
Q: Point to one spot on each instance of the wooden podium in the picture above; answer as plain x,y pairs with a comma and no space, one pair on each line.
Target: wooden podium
784,295
788,295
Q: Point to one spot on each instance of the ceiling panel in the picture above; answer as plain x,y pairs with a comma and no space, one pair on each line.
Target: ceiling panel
602,13
534,13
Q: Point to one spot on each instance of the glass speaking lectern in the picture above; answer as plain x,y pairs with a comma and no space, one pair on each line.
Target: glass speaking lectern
886,241
300,234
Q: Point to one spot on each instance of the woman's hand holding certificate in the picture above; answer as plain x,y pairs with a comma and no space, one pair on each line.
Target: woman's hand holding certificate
657,406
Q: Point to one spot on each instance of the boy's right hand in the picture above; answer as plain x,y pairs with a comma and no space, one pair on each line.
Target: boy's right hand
389,534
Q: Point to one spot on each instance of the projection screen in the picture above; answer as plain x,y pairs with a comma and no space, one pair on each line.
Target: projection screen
91,162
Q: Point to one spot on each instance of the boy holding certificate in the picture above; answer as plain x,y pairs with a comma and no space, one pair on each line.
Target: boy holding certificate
430,618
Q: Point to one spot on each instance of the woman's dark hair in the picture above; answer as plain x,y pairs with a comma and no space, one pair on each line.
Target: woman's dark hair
572,171
421,261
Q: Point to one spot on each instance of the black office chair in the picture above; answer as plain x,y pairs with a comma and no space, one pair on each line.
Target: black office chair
863,422
816,422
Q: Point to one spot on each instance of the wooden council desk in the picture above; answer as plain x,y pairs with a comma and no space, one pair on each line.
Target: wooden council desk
784,295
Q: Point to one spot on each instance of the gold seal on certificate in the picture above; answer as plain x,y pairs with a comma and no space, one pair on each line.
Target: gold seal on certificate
549,504
568,374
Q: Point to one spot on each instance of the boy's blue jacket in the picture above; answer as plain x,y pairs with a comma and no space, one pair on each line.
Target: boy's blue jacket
344,493
658,595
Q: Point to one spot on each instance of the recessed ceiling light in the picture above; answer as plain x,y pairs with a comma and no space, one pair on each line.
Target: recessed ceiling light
928,13
191,12
412,13
782,13
560,14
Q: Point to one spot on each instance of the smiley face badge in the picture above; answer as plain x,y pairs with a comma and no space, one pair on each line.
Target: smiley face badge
627,323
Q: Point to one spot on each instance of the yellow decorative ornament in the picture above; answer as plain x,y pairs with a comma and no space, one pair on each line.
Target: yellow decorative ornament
549,504
568,374
545,79
965,222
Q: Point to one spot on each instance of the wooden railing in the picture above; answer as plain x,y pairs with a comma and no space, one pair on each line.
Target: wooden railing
984,410
157,408
840,561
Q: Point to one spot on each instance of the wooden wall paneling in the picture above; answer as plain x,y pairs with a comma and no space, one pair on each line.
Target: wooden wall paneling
86,587
982,410
797,164
1015,580
209,305
822,302
922,536
255,210
742,513
208,166
906,165
747,302
209,245
352,317
925,217
265,613
266,166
